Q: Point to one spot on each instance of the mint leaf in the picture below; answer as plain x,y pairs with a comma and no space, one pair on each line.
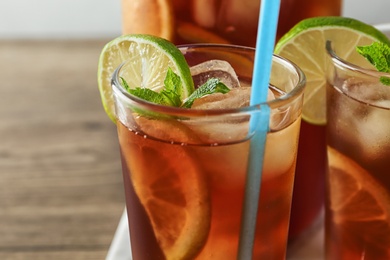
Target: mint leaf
385,81
213,85
172,81
170,98
125,85
172,89
378,54
149,95
170,95
146,94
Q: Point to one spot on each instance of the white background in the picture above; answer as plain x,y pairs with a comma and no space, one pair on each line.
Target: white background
102,18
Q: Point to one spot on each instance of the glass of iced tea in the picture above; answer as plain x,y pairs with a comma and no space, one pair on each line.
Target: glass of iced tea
235,21
358,181
228,21
185,169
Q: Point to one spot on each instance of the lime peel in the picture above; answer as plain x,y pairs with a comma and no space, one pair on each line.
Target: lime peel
304,45
151,57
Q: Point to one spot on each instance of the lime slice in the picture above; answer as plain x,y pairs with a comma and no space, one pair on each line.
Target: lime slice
304,45
150,56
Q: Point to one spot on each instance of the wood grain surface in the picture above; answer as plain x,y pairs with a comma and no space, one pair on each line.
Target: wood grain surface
61,191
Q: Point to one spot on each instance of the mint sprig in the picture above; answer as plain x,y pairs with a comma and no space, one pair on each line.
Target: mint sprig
212,85
173,88
378,54
170,95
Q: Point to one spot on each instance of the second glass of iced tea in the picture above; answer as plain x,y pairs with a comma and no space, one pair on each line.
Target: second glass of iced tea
185,169
216,21
235,22
358,181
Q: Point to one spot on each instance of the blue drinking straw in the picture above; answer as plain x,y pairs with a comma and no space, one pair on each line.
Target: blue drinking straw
259,124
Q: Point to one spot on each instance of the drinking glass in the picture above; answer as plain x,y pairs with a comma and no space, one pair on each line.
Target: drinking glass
358,146
235,22
228,21
185,169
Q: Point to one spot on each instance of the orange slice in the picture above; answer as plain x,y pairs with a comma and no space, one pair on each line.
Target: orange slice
153,17
360,204
174,194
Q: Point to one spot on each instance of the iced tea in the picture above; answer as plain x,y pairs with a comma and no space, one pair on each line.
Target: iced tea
185,171
358,193
309,184
235,21
228,21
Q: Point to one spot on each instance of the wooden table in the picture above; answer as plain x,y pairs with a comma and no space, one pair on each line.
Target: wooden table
61,193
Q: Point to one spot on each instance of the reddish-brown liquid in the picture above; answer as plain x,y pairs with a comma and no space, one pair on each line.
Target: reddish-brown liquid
309,185
238,25
223,168
358,202
235,21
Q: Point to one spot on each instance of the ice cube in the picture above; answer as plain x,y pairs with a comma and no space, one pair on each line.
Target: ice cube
240,97
279,152
222,129
233,127
215,69
235,98
368,92
367,126
373,132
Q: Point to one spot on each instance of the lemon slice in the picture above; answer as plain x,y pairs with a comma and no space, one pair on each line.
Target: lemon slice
175,198
359,203
153,17
150,57
304,45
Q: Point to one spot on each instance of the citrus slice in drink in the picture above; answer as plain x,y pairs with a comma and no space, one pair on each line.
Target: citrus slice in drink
360,204
153,17
173,192
150,57
304,45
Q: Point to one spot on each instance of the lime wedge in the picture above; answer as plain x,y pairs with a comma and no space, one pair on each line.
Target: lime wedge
150,57
304,45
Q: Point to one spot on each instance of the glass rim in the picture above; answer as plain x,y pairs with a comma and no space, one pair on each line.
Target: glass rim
350,66
277,102
342,64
